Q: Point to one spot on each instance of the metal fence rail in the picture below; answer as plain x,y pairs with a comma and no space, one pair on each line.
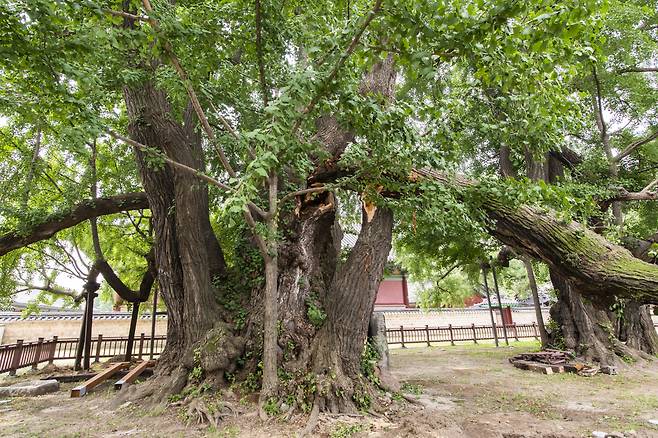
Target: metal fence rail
24,354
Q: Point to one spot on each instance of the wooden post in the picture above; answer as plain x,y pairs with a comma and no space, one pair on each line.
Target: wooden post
500,305
516,334
141,346
475,336
133,374
16,360
534,328
402,336
92,288
427,332
99,341
493,320
452,338
37,355
82,390
81,339
131,332
154,313
53,349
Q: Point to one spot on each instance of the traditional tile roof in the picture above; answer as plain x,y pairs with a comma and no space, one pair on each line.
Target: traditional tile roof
63,316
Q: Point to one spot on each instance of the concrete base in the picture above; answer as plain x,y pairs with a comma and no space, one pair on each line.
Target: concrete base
30,388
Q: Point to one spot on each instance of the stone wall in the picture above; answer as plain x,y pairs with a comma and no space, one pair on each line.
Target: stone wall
117,324
32,329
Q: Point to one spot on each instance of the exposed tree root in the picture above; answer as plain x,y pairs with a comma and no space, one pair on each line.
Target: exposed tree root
312,420
202,411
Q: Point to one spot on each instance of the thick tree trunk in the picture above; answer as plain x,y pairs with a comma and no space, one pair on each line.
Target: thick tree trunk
185,247
325,305
636,328
350,302
593,332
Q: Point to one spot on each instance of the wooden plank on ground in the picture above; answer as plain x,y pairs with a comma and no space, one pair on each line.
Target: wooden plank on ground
67,378
82,390
557,369
133,374
533,366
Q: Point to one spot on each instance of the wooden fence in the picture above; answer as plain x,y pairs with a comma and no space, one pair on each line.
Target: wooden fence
472,333
25,354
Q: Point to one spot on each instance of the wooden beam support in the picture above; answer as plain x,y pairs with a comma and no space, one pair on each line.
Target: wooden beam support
133,374
82,390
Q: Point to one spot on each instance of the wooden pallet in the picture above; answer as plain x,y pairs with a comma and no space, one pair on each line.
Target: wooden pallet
133,374
82,390
538,367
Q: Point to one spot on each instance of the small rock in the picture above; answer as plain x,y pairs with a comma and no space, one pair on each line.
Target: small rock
30,388
654,422
597,434
609,370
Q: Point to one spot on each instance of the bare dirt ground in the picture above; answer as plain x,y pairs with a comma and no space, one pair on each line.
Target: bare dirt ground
463,391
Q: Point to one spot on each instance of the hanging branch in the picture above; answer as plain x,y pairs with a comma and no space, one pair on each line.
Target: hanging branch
103,266
259,53
77,214
199,174
636,144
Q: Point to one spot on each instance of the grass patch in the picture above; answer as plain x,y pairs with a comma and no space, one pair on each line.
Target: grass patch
344,430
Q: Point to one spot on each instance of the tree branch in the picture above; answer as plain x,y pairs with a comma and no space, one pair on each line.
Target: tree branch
183,167
53,290
600,120
636,144
638,70
304,192
259,53
643,195
78,213
341,61
125,15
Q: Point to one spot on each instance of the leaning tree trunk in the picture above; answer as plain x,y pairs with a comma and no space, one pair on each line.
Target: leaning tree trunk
584,325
